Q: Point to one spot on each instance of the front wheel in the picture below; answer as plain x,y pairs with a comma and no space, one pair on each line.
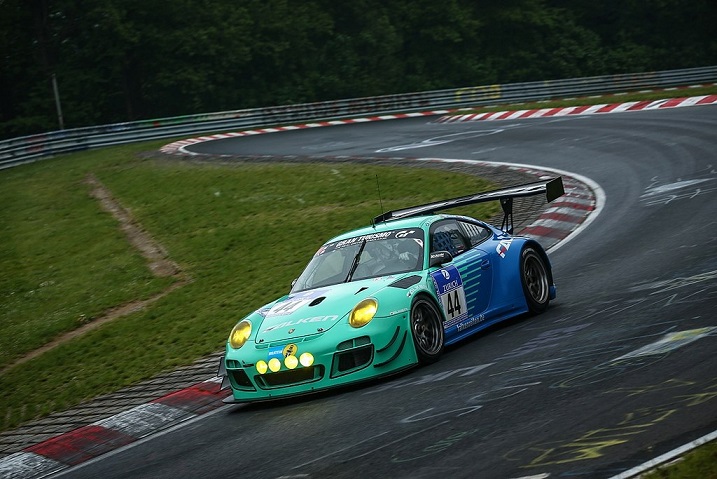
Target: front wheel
536,284
427,330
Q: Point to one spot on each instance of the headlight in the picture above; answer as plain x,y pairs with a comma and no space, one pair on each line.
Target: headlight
291,362
240,334
363,313
274,365
306,359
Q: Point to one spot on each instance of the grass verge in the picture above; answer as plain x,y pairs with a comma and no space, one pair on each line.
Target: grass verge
698,464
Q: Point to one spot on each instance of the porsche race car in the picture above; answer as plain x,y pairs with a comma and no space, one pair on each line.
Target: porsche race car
390,296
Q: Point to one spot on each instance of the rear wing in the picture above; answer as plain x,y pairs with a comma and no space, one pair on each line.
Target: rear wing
552,188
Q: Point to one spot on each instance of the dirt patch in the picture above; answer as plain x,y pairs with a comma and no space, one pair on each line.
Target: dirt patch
157,261
152,251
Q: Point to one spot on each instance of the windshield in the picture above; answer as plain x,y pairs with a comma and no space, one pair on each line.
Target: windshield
361,257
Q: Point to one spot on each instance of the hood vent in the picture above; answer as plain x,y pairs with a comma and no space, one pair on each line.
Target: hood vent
364,288
406,282
317,301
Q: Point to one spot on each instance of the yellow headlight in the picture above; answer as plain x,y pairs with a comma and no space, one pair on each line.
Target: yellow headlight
274,365
262,367
291,362
240,334
363,313
306,359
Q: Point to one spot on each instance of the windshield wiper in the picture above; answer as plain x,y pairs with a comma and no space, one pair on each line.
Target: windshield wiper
355,263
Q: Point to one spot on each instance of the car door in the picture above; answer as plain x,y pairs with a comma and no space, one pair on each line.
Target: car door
464,285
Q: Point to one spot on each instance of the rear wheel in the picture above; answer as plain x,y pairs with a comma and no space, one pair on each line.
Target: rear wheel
427,330
536,283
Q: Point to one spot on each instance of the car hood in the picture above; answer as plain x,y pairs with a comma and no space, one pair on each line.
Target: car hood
317,310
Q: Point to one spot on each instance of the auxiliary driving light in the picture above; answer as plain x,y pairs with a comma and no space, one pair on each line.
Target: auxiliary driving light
274,365
291,362
306,359
262,367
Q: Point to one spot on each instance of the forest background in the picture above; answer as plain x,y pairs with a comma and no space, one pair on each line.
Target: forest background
125,60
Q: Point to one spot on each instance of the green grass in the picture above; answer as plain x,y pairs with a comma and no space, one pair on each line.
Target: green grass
242,233
698,464
64,260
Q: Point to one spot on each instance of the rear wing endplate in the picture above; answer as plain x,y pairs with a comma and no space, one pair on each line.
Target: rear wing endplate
552,188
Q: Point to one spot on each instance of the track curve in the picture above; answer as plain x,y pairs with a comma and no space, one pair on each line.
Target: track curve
618,371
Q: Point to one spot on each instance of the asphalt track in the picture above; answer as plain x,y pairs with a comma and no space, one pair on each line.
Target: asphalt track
617,372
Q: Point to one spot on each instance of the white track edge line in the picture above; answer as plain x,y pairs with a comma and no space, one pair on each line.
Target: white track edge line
666,457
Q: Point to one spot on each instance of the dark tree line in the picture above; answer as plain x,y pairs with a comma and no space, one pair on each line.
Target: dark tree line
124,60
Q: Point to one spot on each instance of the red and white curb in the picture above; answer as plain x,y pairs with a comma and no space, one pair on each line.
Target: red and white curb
178,147
93,440
582,110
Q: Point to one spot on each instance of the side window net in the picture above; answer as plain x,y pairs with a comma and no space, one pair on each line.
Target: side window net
476,234
448,238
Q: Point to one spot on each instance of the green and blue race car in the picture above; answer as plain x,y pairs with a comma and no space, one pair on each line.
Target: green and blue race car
383,298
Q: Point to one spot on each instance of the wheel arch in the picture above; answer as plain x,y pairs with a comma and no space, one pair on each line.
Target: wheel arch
424,357
543,254
427,294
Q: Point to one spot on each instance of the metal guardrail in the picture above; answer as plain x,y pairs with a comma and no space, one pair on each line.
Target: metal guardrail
26,149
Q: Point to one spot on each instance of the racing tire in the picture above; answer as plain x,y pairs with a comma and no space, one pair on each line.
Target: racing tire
426,330
535,280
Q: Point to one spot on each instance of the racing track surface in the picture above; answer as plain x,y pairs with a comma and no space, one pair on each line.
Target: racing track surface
618,371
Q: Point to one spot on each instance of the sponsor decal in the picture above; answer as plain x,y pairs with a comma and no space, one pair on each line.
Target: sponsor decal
393,234
276,352
290,350
360,239
293,302
314,319
503,247
412,291
471,322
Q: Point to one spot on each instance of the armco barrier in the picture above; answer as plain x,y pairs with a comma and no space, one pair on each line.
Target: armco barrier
26,149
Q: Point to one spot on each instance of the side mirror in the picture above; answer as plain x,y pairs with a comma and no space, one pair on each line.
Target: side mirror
439,258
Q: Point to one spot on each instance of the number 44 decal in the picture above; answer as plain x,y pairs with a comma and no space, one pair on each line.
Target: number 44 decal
449,288
453,303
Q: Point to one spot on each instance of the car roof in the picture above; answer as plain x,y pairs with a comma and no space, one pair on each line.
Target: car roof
413,222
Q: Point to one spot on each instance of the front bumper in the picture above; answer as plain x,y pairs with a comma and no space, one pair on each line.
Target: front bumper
339,359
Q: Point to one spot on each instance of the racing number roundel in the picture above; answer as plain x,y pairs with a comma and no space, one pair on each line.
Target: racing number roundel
449,287
290,350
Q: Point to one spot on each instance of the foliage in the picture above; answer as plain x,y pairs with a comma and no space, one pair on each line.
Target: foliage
124,60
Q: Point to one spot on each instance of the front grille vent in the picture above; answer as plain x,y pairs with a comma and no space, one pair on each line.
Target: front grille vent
351,360
290,377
